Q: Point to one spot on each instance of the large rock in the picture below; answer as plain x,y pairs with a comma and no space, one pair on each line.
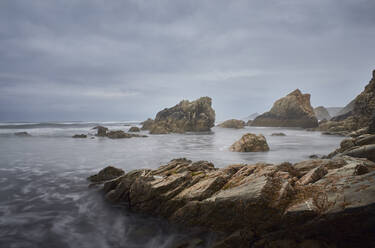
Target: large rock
358,113
314,203
293,110
233,123
106,174
321,113
195,116
250,143
147,124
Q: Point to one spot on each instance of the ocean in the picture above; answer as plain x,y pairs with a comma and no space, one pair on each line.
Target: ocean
45,200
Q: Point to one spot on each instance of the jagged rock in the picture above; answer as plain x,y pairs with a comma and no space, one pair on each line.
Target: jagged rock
233,123
79,136
106,174
260,205
22,134
195,116
134,129
321,113
102,131
147,124
250,143
122,135
278,134
293,110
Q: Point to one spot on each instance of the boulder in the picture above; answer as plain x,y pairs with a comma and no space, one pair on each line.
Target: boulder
79,136
250,143
321,113
22,134
134,129
278,134
106,174
118,134
315,203
195,116
293,110
102,131
232,123
147,124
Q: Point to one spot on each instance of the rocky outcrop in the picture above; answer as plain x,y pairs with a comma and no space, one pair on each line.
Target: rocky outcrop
249,122
321,113
293,110
108,173
102,131
195,116
118,134
22,134
79,136
314,203
358,114
250,143
232,123
134,129
147,124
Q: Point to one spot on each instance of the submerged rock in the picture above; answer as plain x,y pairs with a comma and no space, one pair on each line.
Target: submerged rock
79,136
22,134
195,116
106,174
233,123
250,143
293,110
278,134
134,129
321,113
118,134
327,202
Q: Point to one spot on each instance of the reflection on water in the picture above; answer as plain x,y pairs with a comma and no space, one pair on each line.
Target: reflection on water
45,201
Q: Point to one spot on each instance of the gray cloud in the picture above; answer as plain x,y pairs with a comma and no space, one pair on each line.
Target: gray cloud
118,60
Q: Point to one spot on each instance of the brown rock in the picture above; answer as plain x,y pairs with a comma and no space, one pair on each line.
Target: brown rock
122,135
106,174
293,110
102,131
250,143
134,129
79,136
321,113
233,123
147,124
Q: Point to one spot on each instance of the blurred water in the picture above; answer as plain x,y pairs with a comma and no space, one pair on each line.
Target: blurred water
45,201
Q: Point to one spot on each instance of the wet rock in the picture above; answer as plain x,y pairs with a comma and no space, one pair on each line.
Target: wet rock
233,123
22,134
134,129
79,136
278,134
106,174
195,116
293,110
122,135
147,124
250,143
102,131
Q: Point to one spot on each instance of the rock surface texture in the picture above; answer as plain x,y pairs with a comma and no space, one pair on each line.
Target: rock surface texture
321,113
314,203
250,143
134,129
293,110
195,116
232,123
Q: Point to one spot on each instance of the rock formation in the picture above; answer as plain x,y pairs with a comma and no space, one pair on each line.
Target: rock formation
321,113
134,129
118,134
108,173
147,124
22,134
293,110
250,143
195,116
314,203
278,134
232,123
102,131
79,136
333,111
357,115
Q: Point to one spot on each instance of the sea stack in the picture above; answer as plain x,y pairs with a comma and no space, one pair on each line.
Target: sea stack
195,116
293,110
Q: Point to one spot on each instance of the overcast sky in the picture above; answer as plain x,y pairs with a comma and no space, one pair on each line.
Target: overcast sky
126,60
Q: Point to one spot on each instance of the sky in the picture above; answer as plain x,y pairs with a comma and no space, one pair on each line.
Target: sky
127,59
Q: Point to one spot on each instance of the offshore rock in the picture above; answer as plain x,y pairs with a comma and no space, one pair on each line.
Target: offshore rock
314,203
293,110
122,135
102,131
134,129
232,123
321,113
195,116
79,136
250,143
22,134
106,174
147,124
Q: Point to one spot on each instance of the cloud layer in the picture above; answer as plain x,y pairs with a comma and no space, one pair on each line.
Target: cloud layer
125,60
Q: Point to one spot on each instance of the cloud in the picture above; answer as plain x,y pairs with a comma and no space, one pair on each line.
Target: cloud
61,58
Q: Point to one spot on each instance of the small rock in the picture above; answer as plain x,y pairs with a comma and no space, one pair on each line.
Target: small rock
278,134
233,123
360,169
102,131
134,129
22,134
250,143
108,173
79,136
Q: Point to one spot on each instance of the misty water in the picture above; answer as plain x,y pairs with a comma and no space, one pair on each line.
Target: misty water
45,200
